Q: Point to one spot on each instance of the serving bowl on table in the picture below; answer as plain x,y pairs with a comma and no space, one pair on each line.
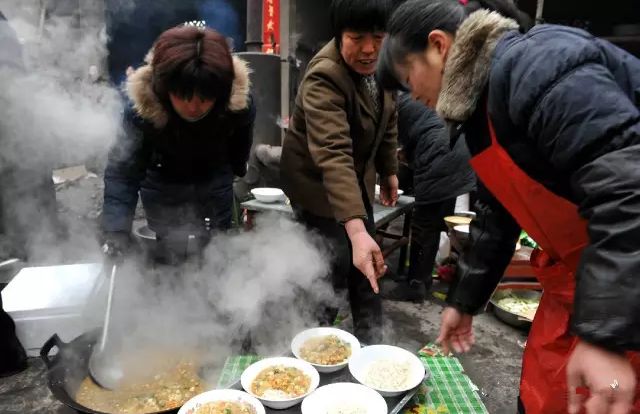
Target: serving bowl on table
268,195
508,316
250,374
191,406
345,336
344,394
360,364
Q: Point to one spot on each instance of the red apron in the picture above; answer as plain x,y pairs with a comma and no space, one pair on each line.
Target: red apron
554,223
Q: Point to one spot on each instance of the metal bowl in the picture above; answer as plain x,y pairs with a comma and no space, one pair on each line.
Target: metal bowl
508,317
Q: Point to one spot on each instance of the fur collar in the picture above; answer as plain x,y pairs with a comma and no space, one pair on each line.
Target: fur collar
467,70
148,106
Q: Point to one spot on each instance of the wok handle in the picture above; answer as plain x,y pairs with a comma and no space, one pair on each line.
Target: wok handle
53,342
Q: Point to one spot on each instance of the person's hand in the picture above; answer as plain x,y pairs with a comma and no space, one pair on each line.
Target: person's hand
609,377
115,244
389,190
367,256
456,331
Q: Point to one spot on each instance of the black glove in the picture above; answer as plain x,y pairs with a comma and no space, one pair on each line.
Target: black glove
115,244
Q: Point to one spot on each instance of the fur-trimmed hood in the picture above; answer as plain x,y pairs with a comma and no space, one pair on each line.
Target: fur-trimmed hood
147,105
467,70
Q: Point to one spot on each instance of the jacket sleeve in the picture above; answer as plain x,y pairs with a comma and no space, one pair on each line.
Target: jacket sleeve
589,129
242,140
386,156
126,167
492,241
330,145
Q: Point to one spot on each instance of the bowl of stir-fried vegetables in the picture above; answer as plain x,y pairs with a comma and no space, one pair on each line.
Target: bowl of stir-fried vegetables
327,349
516,307
223,402
280,383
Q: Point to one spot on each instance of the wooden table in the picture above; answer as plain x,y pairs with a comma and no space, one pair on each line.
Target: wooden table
382,216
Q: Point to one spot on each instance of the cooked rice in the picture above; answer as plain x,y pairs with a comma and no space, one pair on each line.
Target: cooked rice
388,375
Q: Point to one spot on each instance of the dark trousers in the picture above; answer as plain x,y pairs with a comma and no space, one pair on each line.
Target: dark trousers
366,306
426,226
183,229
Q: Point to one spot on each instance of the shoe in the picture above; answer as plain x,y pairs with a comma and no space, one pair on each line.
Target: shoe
409,291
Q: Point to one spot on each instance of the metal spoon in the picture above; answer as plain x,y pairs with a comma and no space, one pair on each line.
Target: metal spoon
104,369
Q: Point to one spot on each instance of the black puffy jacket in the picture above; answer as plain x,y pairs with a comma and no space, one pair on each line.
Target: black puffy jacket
439,171
167,155
565,106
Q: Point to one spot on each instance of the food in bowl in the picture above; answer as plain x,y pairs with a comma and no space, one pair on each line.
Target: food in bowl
280,383
387,374
224,407
325,350
167,391
525,307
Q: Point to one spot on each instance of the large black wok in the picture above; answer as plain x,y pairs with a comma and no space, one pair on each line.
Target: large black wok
67,369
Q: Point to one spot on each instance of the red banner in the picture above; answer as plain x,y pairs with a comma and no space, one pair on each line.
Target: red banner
271,26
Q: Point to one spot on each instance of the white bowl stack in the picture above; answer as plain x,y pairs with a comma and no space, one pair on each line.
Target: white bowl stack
345,336
268,195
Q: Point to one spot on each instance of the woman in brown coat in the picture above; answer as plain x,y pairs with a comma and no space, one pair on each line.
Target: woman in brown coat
343,131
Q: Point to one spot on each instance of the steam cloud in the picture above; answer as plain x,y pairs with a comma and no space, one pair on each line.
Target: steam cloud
60,110
267,282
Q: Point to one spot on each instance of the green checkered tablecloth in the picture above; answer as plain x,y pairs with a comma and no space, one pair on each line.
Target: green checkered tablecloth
447,391
233,368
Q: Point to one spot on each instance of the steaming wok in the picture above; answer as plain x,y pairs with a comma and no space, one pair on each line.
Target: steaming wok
67,369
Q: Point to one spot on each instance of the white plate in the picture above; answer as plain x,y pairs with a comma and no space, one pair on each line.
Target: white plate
327,397
221,395
250,374
303,336
268,195
360,363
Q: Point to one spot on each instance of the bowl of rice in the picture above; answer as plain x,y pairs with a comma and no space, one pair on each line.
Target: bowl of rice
389,370
327,349
223,402
280,383
344,398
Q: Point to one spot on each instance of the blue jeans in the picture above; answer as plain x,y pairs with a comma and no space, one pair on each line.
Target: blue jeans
184,215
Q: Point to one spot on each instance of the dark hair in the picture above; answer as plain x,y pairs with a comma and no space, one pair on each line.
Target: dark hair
359,16
190,61
386,71
412,21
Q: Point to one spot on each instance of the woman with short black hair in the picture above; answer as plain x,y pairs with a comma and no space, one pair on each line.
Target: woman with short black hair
189,130
552,119
342,132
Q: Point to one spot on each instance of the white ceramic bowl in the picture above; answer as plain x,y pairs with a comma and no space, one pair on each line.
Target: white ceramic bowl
360,363
268,195
221,395
250,374
304,336
326,398
400,192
